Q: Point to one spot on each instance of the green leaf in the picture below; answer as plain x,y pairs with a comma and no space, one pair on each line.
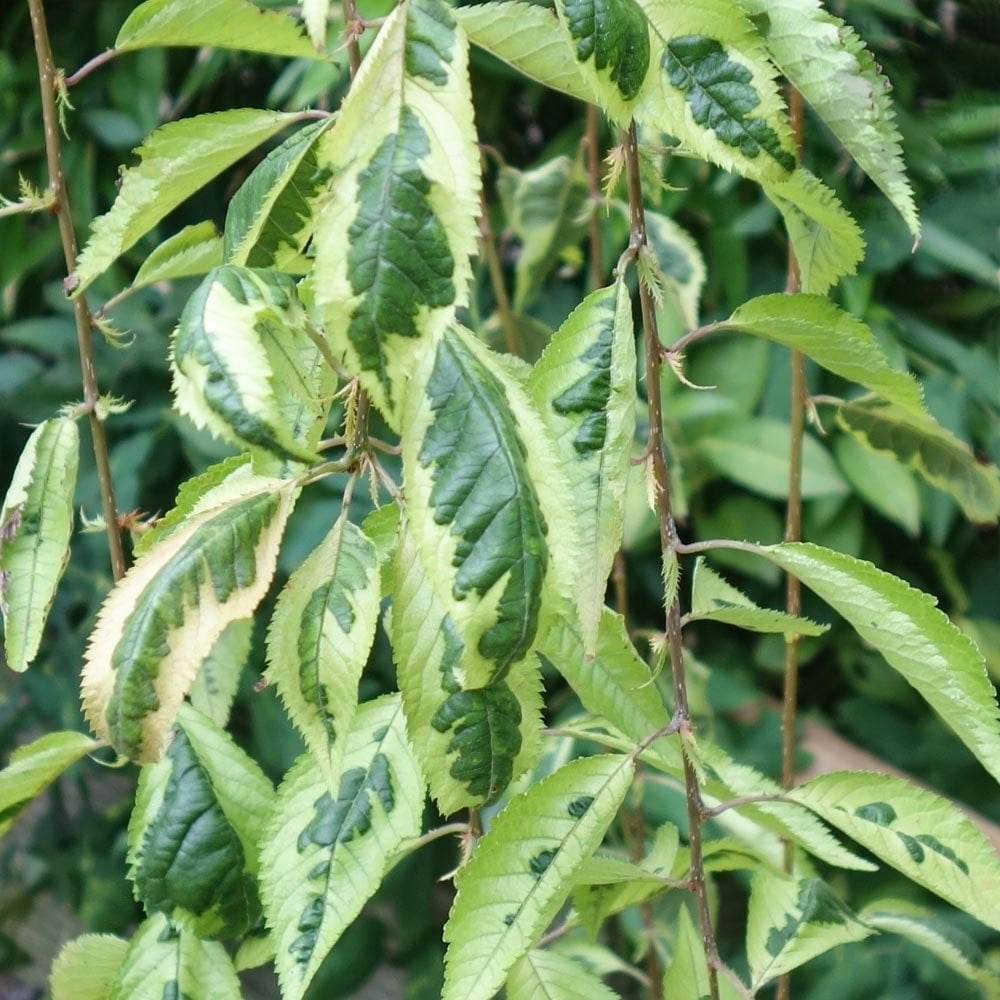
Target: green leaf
527,37
915,638
319,639
547,208
830,337
881,481
584,388
195,250
521,871
474,511
315,15
164,616
941,458
34,766
244,368
546,975
226,24
471,742
686,977
921,834
754,453
680,262
86,967
713,599
194,830
36,522
218,677
830,66
175,161
394,240
324,856
826,239
792,921
166,960
612,47
716,89
272,216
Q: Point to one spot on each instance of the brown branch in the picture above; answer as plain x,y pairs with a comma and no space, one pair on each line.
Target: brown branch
81,312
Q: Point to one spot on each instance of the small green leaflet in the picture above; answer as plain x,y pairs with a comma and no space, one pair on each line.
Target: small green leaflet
713,599
547,975
192,251
470,472
86,967
921,834
680,262
34,766
270,218
226,24
915,638
584,388
686,977
320,635
218,677
175,161
826,239
715,88
883,482
163,618
471,743
547,208
394,240
194,830
243,367
942,459
791,922
36,522
521,871
830,66
323,856
832,338
527,37
166,960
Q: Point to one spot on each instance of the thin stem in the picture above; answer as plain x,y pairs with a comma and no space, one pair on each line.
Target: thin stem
487,246
81,312
23,207
698,333
88,67
592,141
668,539
743,800
352,29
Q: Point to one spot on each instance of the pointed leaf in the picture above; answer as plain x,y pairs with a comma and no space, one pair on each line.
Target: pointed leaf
790,922
930,449
584,387
34,766
162,619
883,482
919,833
86,967
680,262
394,241
324,856
314,15
218,677
166,960
244,368
546,975
175,161
915,638
319,639
713,599
521,871
227,24
193,251
271,217
36,522
830,337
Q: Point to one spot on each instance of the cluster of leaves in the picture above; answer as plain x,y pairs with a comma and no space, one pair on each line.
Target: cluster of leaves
422,636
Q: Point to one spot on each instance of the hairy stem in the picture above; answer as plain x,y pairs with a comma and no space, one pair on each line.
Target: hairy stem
668,541
352,29
81,311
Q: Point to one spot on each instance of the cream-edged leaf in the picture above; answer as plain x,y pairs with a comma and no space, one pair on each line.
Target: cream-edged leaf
521,871
319,639
315,14
323,855
680,263
36,522
921,834
547,975
584,388
86,967
192,251
165,615
394,240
